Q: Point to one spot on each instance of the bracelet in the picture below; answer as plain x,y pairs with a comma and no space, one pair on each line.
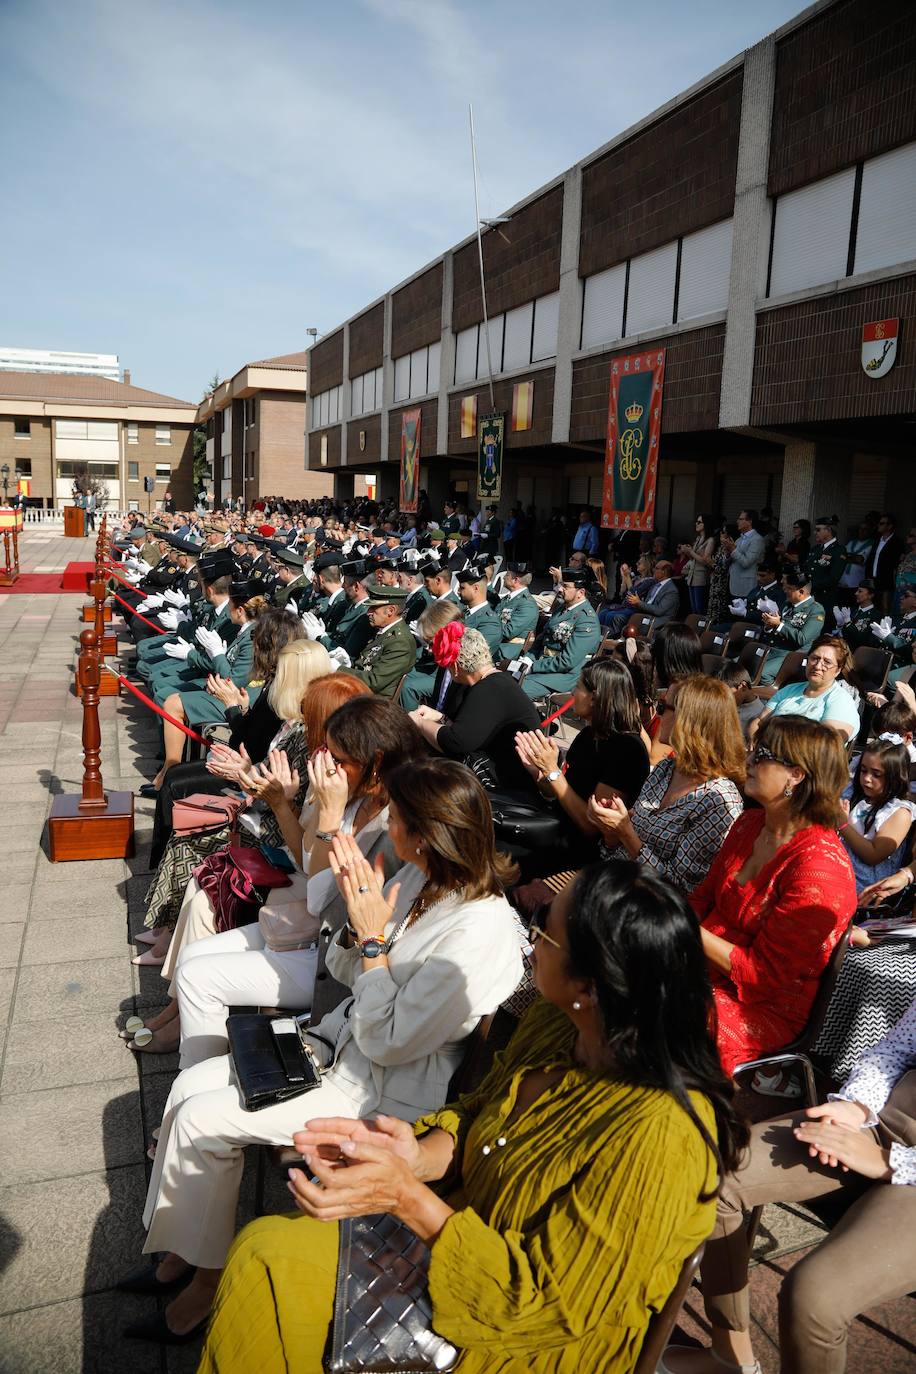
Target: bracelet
326,835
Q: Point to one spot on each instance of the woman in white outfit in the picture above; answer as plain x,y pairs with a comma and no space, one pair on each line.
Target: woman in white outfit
426,957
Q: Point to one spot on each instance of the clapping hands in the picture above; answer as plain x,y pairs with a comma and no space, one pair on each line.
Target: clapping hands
537,753
225,690
273,781
607,813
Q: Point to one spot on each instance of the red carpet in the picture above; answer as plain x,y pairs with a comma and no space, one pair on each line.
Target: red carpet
30,584
77,577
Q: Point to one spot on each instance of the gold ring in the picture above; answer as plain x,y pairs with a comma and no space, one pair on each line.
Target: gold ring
330,771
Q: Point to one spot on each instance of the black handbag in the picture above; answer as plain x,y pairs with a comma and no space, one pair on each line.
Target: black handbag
269,1070
526,823
382,1309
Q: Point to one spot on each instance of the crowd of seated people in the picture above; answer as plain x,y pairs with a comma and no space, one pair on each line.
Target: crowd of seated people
687,855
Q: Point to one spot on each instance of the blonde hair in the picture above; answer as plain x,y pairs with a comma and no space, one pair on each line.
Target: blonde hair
437,615
707,738
474,653
298,665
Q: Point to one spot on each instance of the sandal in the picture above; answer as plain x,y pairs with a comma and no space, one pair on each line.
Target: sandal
779,1084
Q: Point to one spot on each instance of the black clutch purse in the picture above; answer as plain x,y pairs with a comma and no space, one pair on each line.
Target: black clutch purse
271,1065
382,1310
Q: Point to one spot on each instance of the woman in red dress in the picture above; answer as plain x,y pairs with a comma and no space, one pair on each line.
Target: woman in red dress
780,893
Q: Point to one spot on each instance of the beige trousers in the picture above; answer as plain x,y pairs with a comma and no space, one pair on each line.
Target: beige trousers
195,922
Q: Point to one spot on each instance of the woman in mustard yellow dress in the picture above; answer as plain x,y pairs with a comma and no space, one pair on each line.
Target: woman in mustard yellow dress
574,1181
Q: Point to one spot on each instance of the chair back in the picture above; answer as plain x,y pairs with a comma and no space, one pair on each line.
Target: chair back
396,696
752,657
792,668
642,626
474,1062
713,664
661,1324
825,990
713,642
697,622
872,667
741,631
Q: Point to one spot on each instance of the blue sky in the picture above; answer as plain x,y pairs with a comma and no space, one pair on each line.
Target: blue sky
191,185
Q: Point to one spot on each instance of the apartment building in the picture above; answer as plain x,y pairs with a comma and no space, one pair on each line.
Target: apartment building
255,424
759,227
56,426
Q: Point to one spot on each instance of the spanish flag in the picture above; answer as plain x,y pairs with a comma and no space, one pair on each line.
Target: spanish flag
469,417
522,405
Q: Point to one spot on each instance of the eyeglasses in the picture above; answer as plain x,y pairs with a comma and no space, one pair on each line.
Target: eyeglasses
819,662
662,706
536,933
761,754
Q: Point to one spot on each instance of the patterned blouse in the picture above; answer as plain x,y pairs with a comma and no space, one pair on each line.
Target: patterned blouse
681,840
874,1078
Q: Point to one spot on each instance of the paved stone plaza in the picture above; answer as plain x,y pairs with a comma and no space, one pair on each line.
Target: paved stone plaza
76,1106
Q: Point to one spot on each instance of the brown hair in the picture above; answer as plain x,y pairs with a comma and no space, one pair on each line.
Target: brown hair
818,751
376,733
839,647
321,700
272,631
442,803
707,739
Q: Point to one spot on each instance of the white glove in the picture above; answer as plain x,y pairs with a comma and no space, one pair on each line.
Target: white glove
133,576
179,650
133,562
169,619
738,606
768,606
881,628
146,605
841,616
211,641
152,602
340,658
175,598
314,625
414,628
293,610
134,549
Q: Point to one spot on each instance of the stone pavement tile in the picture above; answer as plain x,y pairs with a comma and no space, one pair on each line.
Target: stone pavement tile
77,1130
184,1359
18,869
64,1051
73,989
80,1233
7,983
149,987
98,871
54,902
10,944
89,937
23,839
81,1336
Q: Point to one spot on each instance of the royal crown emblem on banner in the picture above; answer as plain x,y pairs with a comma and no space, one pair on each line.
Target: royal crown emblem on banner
634,413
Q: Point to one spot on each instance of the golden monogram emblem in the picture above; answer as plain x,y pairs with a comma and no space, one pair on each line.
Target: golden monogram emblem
630,442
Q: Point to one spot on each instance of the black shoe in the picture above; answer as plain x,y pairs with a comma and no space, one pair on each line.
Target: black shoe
143,1280
156,1328
148,790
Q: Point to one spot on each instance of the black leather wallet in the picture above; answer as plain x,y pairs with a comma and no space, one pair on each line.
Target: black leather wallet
269,1068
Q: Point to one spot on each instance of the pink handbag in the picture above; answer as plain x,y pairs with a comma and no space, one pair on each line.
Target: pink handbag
203,811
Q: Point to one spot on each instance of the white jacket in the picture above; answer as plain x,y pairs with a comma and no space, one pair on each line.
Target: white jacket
400,1038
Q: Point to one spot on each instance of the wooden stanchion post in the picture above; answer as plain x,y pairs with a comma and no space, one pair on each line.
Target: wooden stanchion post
96,824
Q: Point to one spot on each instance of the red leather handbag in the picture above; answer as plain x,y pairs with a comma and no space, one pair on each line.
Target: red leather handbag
237,880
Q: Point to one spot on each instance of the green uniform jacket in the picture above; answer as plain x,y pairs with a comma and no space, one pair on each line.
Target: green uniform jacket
283,594
800,626
416,604
825,565
773,592
518,616
352,632
901,641
386,658
568,639
859,632
488,623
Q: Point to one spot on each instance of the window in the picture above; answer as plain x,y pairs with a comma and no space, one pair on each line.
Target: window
163,434
527,334
133,432
249,411
356,395
650,296
227,467
602,307
433,365
402,378
249,467
22,428
163,472
706,259
887,210
811,234
133,470
546,324
466,355
23,467
517,337
325,407
419,370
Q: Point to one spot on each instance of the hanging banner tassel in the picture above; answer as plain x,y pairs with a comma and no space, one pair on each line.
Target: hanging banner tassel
148,701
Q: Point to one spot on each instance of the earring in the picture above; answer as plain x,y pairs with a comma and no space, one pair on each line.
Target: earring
577,1006
787,790
419,849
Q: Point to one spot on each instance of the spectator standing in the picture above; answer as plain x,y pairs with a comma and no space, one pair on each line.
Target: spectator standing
586,536
881,564
699,563
745,553
826,561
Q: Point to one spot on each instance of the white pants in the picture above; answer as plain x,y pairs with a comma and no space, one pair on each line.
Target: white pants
195,922
235,968
193,1191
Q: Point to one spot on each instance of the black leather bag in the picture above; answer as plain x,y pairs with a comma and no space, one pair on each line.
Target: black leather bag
526,823
263,1076
382,1309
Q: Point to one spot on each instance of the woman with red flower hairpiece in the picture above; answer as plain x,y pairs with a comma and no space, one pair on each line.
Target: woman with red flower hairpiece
492,707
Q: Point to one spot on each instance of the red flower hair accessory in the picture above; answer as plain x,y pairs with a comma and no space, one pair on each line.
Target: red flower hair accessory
446,644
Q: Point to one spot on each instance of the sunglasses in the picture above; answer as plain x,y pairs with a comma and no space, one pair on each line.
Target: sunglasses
761,754
662,706
536,933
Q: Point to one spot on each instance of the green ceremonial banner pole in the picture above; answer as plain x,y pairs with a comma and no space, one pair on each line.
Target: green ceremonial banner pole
634,423
490,435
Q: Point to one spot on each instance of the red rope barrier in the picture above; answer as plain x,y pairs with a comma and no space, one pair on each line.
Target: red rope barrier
148,701
559,712
133,610
124,580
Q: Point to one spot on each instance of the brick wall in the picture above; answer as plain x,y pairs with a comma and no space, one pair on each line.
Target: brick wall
542,417
429,411
416,313
326,365
36,449
371,426
280,450
526,266
333,448
808,357
146,453
693,380
673,177
844,90
367,338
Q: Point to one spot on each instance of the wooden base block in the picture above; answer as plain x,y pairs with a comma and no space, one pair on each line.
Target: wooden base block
7,579
104,833
89,614
108,686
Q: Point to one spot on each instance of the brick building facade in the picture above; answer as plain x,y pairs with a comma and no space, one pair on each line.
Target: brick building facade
751,228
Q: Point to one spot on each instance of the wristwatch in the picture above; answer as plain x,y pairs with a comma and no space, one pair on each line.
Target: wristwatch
372,947
553,775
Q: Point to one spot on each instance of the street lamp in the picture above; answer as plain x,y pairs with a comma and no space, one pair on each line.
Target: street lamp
5,475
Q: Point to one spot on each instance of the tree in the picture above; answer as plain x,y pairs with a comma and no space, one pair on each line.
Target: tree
201,468
84,484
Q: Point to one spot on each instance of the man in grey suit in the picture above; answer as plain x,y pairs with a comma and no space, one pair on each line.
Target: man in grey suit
746,553
663,601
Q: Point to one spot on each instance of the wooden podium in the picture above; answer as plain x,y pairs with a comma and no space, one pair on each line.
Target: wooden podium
74,522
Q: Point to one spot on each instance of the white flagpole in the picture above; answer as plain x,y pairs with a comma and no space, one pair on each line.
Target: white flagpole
483,288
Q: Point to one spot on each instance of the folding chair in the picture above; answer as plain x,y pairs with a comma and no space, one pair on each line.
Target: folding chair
713,664
697,622
713,642
753,657
871,667
741,631
661,1324
792,669
642,626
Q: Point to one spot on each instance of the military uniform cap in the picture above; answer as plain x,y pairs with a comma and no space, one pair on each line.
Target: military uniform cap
577,576
290,557
518,568
388,596
326,560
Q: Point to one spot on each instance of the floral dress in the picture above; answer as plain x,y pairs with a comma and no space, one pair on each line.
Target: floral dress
718,603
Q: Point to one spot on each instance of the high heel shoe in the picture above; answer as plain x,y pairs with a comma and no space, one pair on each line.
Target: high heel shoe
144,1281
156,1328
148,959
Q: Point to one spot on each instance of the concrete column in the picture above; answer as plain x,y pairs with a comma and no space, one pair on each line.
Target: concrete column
343,486
570,317
446,358
815,482
387,379
434,480
388,488
750,234
345,395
